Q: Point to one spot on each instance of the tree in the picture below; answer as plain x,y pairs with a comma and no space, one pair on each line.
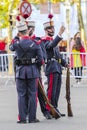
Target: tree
5,10
80,21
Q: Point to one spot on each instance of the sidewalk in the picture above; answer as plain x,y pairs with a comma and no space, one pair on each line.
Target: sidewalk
8,111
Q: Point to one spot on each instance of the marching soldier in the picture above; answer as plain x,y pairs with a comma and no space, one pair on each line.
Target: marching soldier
28,61
54,61
31,29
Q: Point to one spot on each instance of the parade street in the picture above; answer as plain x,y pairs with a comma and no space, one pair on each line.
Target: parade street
43,45
8,110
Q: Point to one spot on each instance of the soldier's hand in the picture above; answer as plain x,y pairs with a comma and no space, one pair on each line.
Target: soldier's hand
62,29
67,65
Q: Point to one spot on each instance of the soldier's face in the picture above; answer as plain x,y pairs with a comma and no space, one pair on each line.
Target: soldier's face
50,31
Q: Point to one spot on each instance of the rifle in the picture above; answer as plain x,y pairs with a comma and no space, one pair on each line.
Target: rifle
69,110
53,111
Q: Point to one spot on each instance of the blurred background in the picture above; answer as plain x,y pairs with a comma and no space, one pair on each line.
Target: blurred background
70,13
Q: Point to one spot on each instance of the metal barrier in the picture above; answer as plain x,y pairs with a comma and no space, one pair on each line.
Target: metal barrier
5,63
7,66
78,64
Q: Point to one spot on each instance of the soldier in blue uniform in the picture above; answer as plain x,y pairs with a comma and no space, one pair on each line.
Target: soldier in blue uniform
31,29
54,62
28,61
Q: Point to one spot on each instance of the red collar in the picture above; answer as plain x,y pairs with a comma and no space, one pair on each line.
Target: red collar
47,38
33,37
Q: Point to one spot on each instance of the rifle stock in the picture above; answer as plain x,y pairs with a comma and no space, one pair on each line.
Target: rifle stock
53,111
69,109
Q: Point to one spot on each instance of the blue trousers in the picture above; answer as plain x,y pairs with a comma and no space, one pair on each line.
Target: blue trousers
53,90
27,94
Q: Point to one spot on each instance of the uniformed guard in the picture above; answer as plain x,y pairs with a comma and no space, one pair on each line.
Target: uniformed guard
31,29
54,61
28,61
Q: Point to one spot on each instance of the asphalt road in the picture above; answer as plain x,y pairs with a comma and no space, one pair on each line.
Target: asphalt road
8,110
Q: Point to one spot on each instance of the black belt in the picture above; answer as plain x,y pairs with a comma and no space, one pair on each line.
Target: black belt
53,59
25,61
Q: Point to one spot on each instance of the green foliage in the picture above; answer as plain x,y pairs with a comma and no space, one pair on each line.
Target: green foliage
4,11
43,1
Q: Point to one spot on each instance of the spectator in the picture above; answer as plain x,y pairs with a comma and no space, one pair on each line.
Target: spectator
72,40
77,59
3,58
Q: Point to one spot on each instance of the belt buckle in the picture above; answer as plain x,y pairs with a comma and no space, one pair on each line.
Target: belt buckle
45,60
53,59
59,60
33,60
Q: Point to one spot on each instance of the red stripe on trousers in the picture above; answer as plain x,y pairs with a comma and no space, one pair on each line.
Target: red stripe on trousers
50,87
37,91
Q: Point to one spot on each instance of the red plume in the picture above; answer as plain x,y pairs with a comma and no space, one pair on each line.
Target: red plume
25,16
18,18
50,16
